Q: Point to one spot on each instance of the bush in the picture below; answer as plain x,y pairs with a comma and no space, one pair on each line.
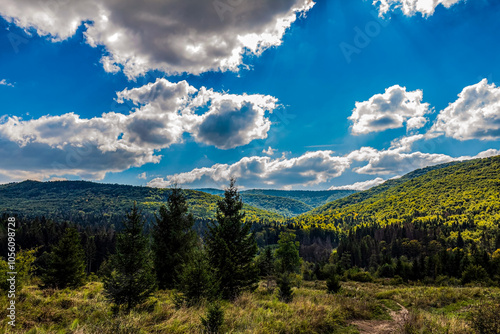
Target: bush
285,288
474,273
214,319
485,318
333,283
386,270
360,276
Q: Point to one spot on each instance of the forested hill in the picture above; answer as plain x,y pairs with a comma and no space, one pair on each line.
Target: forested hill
288,203
313,198
462,192
82,201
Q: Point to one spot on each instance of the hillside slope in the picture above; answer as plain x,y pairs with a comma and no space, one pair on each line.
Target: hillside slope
313,198
88,201
288,203
460,192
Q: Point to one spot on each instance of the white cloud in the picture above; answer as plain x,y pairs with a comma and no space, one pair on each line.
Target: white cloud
364,185
390,110
399,158
474,115
411,7
308,169
142,176
173,36
394,161
270,151
68,144
4,82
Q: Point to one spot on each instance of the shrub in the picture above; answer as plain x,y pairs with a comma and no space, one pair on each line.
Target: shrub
386,270
360,276
485,318
474,273
333,283
285,288
214,319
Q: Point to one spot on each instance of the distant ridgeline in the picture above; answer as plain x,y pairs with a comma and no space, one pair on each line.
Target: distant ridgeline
91,203
288,203
462,194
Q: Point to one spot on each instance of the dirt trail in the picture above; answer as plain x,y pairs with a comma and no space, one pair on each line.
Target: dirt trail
383,326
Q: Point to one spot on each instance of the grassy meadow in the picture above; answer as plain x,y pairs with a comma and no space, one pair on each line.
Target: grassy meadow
357,308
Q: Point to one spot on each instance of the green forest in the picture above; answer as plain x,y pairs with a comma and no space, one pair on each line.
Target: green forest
418,254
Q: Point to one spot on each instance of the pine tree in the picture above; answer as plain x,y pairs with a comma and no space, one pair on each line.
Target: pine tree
231,247
197,281
173,238
131,279
287,255
266,266
287,264
66,262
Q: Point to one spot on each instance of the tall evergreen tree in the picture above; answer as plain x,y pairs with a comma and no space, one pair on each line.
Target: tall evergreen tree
131,279
287,255
173,238
196,280
287,264
231,247
66,262
266,266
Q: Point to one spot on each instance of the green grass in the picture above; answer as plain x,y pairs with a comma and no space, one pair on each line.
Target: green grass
85,310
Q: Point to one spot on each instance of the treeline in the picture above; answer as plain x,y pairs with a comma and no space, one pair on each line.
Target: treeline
431,252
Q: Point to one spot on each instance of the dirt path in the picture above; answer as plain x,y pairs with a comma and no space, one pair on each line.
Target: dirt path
383,326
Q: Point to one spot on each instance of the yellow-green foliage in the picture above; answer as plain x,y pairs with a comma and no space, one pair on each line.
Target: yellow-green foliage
458,193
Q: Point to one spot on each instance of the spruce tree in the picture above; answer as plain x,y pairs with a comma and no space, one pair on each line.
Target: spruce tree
197,281
131,279
287,255
173,238
231,247
66,262
287,264
266,266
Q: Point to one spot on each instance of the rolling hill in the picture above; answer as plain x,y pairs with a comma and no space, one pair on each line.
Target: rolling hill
288,203
456,193
97,202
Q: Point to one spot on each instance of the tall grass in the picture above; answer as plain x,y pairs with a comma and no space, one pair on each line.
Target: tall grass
312,310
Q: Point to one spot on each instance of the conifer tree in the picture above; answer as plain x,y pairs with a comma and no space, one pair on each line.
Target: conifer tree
131,279
231,247
287,255
196,280
287,264
173,238
266,266
66,262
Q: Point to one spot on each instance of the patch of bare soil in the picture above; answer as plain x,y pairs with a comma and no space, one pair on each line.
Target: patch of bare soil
383,326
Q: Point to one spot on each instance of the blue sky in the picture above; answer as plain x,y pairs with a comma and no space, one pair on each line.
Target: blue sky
290,94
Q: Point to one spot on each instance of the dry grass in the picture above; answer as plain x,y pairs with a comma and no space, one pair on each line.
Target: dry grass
85,310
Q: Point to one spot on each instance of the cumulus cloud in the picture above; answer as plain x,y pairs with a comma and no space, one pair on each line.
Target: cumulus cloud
164,111
411,7
364,185
270,151
474,115
4,82
394,161
390,110
308,169
172,36
399,158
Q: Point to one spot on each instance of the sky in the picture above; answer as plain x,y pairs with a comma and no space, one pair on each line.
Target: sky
281,94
